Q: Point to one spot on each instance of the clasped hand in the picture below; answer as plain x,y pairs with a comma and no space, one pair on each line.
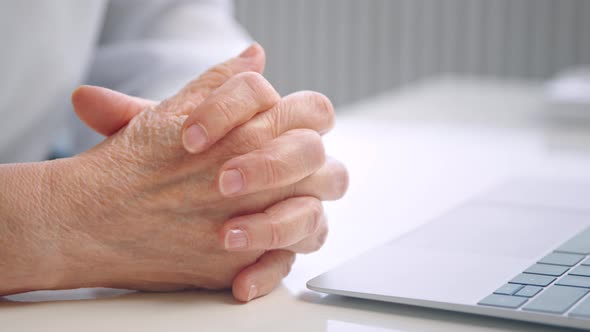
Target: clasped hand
218,186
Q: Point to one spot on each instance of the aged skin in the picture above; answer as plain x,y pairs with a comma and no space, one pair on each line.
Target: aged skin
142,210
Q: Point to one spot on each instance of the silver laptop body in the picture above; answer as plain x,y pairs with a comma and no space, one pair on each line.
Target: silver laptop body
521,251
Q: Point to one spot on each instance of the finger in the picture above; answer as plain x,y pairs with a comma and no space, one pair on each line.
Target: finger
263,276
232,104
190,97
329,183
283,224
104,110
282,161
314,241
252,59
304,109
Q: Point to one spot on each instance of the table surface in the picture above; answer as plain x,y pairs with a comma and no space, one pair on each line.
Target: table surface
411,154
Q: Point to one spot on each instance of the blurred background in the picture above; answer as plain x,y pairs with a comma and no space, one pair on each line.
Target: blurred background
400,59
352,49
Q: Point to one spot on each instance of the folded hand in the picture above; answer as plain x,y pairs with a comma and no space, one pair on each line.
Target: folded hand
219,185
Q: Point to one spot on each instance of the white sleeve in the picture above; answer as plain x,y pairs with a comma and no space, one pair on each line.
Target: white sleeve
151,48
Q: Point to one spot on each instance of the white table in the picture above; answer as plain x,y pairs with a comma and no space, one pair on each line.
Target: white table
411,155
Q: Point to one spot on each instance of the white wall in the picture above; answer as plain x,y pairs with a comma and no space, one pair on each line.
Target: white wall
350,49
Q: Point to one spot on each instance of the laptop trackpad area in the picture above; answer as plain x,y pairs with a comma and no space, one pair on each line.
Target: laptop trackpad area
460,257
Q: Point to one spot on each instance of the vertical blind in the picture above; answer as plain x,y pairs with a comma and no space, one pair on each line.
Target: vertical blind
350,49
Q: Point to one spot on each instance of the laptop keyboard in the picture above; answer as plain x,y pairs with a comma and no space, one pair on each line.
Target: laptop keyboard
559,283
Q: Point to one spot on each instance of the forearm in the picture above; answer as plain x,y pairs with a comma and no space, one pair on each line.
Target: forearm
48,215
28,247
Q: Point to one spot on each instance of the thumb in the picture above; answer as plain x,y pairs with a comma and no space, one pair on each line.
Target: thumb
104,110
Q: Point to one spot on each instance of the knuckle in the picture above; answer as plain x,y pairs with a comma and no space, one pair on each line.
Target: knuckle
272,120
210,79
223,109
194,86
253,79
218,73
276,235
288,191
272,173
245,139
259,87
252,138
185,107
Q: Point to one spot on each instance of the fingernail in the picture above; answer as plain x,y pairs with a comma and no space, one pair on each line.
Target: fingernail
236,239
195,138
252,292
231,181
249,52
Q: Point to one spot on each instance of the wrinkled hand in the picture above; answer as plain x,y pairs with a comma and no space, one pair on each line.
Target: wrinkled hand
164,219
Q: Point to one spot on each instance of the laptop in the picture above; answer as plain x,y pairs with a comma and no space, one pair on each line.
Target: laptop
520,251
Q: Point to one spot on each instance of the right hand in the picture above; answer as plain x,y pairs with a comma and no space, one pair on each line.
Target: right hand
147,213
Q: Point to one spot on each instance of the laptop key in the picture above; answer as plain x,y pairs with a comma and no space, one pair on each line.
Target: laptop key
529,291
579,244
582,270
546,269
582,309
532,279
508,289
556,299
558,258
574,281
503,301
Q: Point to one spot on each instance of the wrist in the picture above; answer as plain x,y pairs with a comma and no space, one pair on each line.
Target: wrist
74,192
45,210
30,257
